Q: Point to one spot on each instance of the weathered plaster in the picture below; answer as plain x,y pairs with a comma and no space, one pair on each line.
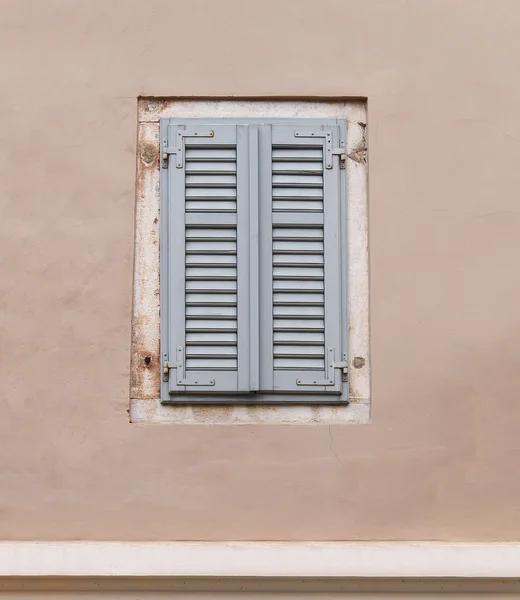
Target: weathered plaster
439,460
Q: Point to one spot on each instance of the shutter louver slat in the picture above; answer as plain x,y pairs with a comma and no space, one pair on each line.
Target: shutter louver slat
297,186
208,188
211,331
291,291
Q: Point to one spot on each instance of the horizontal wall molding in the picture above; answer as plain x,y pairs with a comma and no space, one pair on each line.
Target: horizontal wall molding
427,560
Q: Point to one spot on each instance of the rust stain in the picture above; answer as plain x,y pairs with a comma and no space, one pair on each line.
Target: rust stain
146,377
145,368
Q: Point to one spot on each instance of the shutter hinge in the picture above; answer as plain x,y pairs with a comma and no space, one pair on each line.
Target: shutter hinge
341,153
181,371
178,149
329,371
343,365
166,370
329,150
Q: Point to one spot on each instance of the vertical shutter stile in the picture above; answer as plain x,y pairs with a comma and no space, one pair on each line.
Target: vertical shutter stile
265,260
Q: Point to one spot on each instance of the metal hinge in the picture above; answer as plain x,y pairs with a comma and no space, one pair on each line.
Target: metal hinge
166,370
181,374
341,153
329,150
329,371
178,149
343,365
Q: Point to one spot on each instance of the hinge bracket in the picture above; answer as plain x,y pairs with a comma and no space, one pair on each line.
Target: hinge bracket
329,150
341,153
178,149
181,372
329,371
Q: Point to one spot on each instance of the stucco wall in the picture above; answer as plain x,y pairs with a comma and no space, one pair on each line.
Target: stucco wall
440,459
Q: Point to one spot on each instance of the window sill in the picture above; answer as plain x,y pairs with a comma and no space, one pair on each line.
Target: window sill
152,411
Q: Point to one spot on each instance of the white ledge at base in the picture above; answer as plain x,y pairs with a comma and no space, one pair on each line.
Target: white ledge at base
260,559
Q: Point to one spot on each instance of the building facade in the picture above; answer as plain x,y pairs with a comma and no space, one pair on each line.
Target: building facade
427,451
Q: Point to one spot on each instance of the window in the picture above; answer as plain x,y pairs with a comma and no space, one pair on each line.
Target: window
150,397
253,261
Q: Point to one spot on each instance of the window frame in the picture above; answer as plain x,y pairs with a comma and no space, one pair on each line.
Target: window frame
145,405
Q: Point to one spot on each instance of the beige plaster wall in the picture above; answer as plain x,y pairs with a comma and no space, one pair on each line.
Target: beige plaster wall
440,459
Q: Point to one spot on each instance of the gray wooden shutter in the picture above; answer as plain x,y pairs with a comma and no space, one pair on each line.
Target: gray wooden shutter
303,301
205,320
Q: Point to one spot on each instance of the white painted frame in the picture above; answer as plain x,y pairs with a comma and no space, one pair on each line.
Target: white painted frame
145,405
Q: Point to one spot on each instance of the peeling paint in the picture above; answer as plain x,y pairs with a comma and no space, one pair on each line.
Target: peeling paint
149,153
359,152
358,362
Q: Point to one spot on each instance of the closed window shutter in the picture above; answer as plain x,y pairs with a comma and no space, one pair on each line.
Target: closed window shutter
253,261
206,311
301,255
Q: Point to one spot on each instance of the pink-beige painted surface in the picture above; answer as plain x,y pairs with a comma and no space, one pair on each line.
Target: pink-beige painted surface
440,459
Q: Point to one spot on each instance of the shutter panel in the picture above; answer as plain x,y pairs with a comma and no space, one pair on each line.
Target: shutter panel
300,250
208,254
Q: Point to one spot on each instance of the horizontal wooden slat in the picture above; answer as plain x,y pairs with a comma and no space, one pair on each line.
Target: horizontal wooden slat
294,168
215,260
215,233
297,247
211,363
300,154
210,168
205,206
298,312
211,247
303,337
297,260
298,363
297,233
202,325
211,338
211,286
299,351
210,193
210,181
211,299
296,206
283,324
289,285
296,193
298,298
298,272
211,312
211,273
208,351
